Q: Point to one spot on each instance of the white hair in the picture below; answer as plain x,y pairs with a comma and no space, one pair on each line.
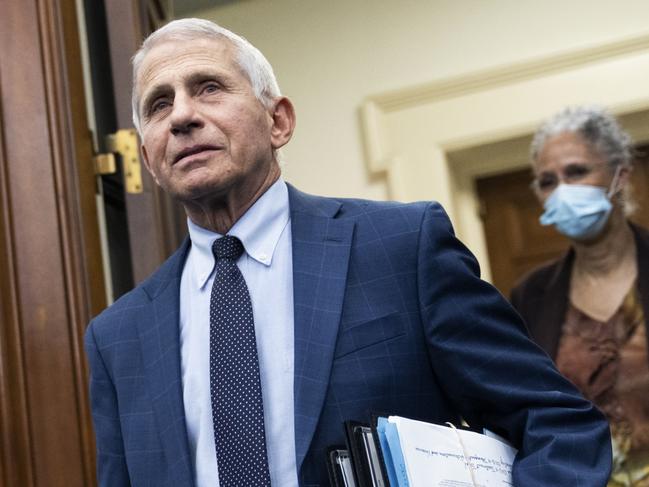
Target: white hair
251,61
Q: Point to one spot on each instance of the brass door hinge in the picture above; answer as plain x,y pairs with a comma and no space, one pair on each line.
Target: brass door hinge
105,164
123,142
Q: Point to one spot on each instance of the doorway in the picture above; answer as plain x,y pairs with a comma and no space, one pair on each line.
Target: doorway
142,226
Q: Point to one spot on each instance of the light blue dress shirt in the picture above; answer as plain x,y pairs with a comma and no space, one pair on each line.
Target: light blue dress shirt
266,265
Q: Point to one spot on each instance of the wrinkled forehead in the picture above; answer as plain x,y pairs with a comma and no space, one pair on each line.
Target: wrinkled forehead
170,58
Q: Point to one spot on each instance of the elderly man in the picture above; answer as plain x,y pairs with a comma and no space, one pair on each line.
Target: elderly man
284,314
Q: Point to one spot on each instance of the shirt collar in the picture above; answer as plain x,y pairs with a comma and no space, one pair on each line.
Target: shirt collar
259,229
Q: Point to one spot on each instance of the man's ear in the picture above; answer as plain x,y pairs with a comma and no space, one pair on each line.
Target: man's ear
147,164
283,122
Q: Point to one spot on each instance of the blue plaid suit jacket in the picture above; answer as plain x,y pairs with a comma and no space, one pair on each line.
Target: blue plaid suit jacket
390,317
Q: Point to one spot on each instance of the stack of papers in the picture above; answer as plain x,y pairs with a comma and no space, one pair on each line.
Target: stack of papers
419,454
401,452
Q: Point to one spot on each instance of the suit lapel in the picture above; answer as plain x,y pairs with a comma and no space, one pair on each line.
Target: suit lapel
321,246
159,334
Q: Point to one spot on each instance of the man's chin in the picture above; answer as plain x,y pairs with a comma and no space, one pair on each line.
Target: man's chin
195,194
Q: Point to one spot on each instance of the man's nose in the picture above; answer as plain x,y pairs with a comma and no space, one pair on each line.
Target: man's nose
184,116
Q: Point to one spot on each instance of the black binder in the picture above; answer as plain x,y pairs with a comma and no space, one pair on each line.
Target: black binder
365,453
340,468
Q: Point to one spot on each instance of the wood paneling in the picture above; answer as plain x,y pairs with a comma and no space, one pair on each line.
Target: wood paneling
49,249
15,461
50,258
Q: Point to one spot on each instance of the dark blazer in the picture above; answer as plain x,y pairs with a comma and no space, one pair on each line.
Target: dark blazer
541,297
390,317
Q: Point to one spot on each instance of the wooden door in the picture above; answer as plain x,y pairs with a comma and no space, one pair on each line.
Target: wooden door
50,262
50,251
516,241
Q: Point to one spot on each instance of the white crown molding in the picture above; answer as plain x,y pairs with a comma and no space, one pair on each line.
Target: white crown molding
503,75
375,108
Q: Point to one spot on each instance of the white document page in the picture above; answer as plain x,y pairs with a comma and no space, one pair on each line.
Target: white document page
435,457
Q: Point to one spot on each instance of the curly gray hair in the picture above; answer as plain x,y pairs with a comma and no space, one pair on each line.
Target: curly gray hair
596,125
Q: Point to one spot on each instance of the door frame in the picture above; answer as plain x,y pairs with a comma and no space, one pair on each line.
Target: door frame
155,224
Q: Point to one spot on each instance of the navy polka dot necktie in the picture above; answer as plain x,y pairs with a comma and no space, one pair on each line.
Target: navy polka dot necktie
235,387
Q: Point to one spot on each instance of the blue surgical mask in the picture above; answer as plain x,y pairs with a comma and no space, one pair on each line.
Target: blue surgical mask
579,211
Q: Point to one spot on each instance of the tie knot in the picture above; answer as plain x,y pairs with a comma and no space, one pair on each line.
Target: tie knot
228,248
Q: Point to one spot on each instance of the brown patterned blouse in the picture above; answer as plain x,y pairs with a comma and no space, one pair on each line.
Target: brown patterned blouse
608,362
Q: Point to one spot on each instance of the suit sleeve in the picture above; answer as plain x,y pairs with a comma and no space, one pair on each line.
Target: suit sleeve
496,376
111,462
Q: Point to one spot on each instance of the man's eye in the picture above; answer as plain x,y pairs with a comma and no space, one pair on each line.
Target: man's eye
210,88
158,105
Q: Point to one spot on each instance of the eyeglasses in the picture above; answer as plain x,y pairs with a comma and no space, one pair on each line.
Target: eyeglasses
546,182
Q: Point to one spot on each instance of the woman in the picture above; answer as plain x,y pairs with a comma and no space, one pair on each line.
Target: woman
589,309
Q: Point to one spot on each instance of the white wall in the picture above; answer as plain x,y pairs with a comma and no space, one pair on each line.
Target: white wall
330,55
